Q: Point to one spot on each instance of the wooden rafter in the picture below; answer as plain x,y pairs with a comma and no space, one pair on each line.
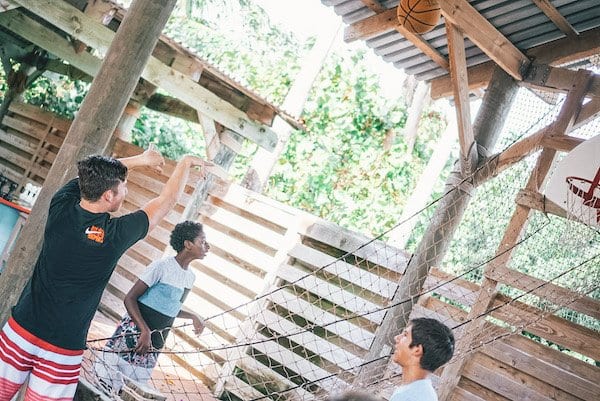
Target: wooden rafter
374,5
553,53
386,21
84,28
555,16
458,71
481,32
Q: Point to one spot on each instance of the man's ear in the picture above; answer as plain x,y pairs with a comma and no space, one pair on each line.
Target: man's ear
417,351
108,196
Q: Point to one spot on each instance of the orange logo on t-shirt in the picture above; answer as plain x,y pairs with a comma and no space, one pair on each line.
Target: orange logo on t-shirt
95,234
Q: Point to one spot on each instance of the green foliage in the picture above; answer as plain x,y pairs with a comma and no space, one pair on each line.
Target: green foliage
172,136
339,168
239,39
59,95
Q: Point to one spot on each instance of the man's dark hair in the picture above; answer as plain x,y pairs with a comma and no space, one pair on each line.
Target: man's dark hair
98,174
437,341
188,230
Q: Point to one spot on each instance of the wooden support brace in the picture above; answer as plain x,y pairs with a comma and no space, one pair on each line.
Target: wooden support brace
84,28
485,36
388,20
458,71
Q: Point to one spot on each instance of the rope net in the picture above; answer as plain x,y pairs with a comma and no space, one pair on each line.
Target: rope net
307,327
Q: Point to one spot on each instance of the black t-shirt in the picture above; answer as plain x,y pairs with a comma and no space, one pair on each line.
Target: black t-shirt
79,254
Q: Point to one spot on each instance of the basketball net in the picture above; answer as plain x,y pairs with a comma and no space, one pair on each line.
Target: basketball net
583,200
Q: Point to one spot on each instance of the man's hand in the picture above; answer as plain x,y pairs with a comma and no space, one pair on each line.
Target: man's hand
195,161
153,158
199,325
144,342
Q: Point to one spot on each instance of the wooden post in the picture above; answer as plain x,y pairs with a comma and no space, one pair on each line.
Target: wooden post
91,131
227,145
518,221
432,248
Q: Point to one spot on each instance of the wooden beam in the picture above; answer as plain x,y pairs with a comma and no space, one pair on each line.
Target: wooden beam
388,20
556,17
556,79
553,53
537,201
485,36
84,28
374,5
562,143
478,77
458,72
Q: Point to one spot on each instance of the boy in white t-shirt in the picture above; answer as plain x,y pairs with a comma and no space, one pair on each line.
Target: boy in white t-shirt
422,347
152,304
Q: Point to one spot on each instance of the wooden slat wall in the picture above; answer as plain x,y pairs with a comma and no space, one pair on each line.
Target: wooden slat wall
29,141
280,246
515,367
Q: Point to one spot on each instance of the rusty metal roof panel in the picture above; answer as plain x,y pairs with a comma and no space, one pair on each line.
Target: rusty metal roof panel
521,21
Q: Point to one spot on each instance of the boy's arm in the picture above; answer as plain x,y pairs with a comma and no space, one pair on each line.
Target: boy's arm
198,322
144,341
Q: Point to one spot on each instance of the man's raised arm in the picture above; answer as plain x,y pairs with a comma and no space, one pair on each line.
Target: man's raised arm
158,207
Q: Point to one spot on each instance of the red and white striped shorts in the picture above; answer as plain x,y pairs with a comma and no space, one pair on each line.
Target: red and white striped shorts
53,371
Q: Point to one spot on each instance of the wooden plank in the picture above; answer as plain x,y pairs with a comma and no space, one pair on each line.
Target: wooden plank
303,367
374,5
547,291
371,251
388,20
248,228
486,373
555,16
542,370
458,72
264,208
557,52
320,346
332,293
554,357
242,389
557,79
563,143
40,115
332,323
552,328
98,36
537,201
346,271
485,36
271,378
477,76
239,249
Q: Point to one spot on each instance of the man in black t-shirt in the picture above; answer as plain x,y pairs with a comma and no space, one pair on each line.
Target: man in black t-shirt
45,337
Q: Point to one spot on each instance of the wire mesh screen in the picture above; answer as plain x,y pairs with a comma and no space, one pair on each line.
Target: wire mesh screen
294,304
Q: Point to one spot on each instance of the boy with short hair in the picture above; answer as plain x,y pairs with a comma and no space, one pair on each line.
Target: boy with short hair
422,347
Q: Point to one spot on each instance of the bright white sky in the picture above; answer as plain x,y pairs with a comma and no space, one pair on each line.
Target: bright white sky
310,18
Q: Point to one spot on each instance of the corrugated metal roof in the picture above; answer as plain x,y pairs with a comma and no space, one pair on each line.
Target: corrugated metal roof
521,21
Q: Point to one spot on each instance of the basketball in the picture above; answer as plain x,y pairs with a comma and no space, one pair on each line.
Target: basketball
419,16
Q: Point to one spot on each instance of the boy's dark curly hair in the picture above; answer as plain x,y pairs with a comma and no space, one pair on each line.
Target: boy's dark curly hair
187,230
